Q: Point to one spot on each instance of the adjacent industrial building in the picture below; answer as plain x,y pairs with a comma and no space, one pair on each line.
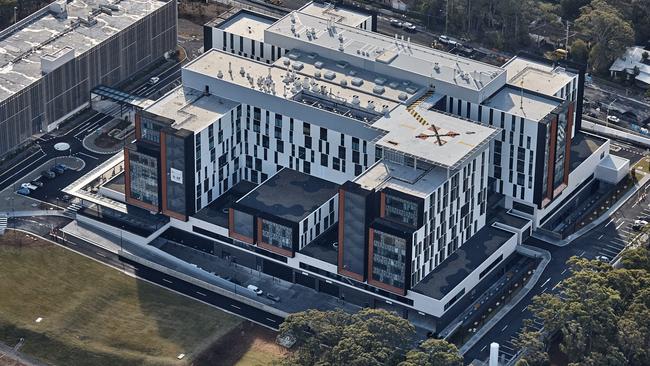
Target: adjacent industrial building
365,166
51,60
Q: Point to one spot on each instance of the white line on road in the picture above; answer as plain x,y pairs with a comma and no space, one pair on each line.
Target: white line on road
484,347
201,293
607,224
545,282
236,307
271,320
544,290
504,328
619,225
601,236
556,285
583,253
100,254
524,309
564,271
90,156
166,280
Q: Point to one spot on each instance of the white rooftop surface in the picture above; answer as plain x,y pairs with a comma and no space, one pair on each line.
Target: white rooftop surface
412,181
537,76
400,54
191,109
530,106
247,24
403,131
339,15
14,76
213,61
372,84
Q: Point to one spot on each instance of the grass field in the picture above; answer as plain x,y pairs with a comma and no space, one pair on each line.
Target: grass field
95,315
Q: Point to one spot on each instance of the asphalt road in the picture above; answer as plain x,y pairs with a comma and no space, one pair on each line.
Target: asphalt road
607,239
51,191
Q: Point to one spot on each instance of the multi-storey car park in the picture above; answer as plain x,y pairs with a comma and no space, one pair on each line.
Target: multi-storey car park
51,60
316,150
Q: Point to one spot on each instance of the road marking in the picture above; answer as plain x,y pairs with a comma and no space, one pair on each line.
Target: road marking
614,247
583,253
564,271
504,328
524,309
609,251
236,307
201,293
619,225
544,290
100,254
601,236
607,224
619,219
90,156
504,346
556,285
545,282
484,347
166,280
271,320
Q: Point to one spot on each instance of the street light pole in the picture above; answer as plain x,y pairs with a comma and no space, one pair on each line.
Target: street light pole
15,14
608,107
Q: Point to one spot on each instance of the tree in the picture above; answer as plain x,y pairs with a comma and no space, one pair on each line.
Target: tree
610,33
571,8
579,51
433,352
644,56
600,317
369,337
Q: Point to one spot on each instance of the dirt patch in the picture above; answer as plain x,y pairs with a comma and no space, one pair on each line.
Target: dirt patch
238,343
199,12
9,362
18,239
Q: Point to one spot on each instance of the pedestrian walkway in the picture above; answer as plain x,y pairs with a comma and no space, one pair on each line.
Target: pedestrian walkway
604,217
73,207
3,224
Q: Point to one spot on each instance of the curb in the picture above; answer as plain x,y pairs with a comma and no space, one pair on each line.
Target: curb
528,251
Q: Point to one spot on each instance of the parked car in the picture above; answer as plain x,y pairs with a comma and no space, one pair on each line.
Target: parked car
154,80
395,23
48,174
24,191
29,186
613,119
602,258
255,289
639,224
37,183
409,27
275,298
57,170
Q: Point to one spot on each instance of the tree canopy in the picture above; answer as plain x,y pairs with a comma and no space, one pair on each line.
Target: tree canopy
369,337
601,315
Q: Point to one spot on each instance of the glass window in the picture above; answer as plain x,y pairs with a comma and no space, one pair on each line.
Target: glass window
277,235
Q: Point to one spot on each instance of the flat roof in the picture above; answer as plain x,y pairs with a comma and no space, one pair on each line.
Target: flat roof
582,146
410,180
247,24
337,14
308,79
455,268
290,195
502,216
190,109
520,103
217,211
537,76
321,248
413,135
47,34
397,53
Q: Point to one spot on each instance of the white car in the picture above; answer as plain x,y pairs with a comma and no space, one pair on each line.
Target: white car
255,289
154,80
613,119
602,258
29,186
639,224
395,23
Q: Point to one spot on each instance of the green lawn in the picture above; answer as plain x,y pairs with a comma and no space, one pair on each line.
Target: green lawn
93,314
